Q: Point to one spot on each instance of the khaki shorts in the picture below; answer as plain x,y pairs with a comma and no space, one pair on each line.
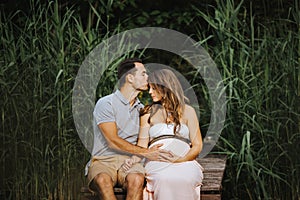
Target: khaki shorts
111,165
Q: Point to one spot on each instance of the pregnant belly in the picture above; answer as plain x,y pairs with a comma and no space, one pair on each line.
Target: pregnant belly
177,146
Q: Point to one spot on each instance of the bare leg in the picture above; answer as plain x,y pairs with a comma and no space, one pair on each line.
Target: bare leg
135,186
104,185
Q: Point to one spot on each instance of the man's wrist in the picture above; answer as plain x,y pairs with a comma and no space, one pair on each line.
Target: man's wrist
141,154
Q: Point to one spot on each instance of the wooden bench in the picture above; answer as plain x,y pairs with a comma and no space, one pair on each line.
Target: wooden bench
214,167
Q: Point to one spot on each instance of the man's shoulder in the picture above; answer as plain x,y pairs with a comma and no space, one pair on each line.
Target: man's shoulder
105,100
106,97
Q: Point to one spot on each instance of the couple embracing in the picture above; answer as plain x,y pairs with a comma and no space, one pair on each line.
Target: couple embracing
157,142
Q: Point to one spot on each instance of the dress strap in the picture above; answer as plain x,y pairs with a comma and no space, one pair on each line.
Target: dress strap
170,136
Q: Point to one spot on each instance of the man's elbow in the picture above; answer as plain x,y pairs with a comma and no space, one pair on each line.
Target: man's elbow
113,144
118,144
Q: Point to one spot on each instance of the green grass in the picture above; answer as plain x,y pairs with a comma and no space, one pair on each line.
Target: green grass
41,147
42,156
260,65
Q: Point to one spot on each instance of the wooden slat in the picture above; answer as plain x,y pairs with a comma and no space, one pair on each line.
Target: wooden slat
210,197
214,167
85,190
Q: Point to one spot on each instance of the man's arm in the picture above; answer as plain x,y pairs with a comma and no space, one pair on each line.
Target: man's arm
110,132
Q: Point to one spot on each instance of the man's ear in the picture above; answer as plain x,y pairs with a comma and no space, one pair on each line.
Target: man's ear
129,78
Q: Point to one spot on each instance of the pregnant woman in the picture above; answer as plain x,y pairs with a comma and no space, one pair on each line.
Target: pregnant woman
172,123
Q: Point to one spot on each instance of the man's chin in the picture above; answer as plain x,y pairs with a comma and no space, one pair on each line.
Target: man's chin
142,89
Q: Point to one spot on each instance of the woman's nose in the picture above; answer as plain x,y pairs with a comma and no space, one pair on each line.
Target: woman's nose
150,90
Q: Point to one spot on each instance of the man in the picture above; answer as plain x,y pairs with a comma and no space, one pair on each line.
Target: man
116,127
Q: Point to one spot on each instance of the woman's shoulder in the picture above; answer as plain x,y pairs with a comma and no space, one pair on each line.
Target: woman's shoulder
188,109
189,112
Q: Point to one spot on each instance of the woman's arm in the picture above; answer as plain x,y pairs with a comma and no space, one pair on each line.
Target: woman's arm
143,138
195,135
143,141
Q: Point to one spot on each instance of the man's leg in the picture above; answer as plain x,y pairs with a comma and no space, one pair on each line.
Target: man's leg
105,187
102,176
135,186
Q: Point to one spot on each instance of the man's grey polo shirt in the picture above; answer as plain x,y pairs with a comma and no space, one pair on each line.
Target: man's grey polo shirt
115,108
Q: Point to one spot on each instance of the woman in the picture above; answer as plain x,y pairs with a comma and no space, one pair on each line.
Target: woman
171,122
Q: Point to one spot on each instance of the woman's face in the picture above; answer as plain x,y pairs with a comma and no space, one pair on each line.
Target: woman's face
155,95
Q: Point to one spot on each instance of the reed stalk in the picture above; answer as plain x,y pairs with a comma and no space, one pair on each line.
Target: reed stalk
42,156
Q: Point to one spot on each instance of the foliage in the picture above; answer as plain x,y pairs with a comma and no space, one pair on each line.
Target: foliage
259,64
43,46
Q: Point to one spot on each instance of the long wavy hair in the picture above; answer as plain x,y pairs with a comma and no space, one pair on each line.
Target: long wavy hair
165,82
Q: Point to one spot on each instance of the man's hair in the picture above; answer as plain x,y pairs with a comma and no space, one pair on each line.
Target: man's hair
125,68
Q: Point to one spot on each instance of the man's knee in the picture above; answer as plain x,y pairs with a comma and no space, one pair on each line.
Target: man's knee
135,180
102,181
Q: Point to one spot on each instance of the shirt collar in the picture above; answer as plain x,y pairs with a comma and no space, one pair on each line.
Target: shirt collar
125,101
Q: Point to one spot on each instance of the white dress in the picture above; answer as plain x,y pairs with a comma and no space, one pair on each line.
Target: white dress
175,181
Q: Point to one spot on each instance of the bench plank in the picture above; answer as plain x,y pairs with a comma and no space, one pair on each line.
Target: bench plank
214,167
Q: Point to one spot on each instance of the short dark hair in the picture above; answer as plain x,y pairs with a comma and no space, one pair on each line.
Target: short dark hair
125,67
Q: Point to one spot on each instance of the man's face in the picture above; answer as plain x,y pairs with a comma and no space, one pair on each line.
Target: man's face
140,77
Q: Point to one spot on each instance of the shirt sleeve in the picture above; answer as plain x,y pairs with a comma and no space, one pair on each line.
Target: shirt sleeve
103,111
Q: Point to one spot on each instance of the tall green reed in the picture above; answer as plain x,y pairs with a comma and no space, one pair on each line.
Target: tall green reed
42,155
259,66
42,50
